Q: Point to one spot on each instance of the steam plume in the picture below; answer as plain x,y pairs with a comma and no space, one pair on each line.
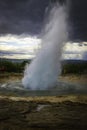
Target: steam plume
43,72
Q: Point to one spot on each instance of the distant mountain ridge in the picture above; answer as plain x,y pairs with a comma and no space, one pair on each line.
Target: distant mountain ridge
73,61
63,61
14,60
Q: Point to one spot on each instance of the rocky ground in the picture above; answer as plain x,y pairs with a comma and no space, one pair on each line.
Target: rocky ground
82,79
9,77
43,113
67,112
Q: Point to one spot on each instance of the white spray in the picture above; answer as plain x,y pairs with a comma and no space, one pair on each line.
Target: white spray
43,72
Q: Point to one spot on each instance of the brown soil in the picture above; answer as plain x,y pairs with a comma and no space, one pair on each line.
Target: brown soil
7,77
58,113
82,79
55,113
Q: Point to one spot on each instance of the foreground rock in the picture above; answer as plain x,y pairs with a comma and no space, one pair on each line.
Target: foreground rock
43,113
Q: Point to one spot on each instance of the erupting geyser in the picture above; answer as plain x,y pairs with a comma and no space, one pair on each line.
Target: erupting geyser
43,72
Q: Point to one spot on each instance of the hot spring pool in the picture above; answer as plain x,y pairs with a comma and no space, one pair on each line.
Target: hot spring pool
60,89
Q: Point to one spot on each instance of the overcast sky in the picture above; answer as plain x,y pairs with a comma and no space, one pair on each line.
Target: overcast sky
21,22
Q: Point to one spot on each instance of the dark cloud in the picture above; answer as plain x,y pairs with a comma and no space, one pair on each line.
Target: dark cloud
13,53
27,16
2,53
21,16
85,55
71,52
78,19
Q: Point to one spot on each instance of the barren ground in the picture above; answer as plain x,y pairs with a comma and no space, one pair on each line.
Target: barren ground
5,77
65,112
48,113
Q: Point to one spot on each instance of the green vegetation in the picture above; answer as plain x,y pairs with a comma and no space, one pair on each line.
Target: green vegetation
9,66
68,67
74,67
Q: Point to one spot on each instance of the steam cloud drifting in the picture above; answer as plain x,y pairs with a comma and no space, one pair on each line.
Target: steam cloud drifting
43,72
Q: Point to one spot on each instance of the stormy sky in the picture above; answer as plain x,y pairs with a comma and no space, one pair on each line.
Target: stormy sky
21,22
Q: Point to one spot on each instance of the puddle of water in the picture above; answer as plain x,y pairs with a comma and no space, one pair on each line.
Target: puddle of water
40,107
61,88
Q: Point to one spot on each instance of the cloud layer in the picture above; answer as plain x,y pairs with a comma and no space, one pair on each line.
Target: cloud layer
22,20
21,16
19,47
75,51
26,47
27,16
